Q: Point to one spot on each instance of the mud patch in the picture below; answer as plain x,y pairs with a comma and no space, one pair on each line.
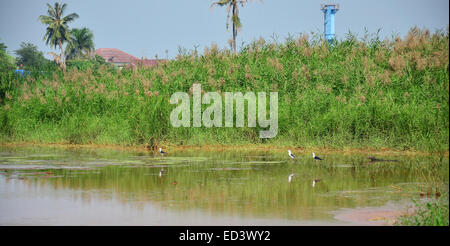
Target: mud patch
373,216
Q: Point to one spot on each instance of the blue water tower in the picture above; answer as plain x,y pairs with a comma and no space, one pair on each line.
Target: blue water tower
328,16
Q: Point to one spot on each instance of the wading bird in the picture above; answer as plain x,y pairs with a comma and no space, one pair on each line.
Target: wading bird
162,152
314,182
292,155
161,172
316,157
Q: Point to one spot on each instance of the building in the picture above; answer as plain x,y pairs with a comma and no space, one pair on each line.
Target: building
122,59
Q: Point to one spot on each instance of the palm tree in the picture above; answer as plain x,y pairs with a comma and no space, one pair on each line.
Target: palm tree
232,5
57,29
82,43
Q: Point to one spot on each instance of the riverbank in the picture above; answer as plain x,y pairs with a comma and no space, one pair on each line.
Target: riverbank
257,147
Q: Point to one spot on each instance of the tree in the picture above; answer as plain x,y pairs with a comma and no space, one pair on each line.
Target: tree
232,5
6,65
82,44
2,48
6,61
57,29
29,56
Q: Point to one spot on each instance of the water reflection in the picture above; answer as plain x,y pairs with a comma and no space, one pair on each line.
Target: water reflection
243,186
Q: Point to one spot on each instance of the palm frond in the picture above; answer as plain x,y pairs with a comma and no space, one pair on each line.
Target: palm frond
63,8
70,18
220,3
50,10
237,22
47,20
81,44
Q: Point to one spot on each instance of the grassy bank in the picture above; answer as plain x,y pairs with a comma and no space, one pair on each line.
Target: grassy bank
357,93
431,213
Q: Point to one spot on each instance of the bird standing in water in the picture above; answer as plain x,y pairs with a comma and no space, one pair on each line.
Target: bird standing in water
314,182
162,152
316,157
292,155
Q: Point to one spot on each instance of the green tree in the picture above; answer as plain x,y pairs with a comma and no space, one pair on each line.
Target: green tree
2,49
29,56
233,6
6,69
57,29
6,61
82,44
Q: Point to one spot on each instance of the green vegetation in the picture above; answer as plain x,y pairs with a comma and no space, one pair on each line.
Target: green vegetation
6,64
431,213
57,28
6,61
355,93
82,44
434,185
30,57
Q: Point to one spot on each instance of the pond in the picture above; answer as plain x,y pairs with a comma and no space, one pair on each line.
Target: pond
74,186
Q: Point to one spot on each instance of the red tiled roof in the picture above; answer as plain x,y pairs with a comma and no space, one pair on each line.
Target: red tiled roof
115,55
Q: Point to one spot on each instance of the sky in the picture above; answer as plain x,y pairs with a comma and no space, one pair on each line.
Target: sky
145,28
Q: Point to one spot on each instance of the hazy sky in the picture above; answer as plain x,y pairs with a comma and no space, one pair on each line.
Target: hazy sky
145,28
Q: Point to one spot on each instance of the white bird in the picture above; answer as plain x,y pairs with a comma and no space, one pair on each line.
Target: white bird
292,155
291,177
314,182
161,172
162,152
316,157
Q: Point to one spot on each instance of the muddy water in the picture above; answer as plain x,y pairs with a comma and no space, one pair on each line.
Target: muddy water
56,186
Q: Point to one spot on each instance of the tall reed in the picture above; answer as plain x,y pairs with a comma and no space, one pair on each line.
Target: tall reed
357,93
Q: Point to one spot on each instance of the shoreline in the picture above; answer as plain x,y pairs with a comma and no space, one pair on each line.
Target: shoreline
383,151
